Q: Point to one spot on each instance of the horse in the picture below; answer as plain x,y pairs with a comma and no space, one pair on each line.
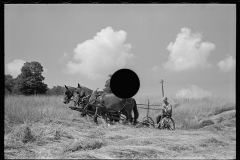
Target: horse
73,93
82,96
68,94
107,103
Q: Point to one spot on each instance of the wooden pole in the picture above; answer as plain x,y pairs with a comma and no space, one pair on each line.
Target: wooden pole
162,87
148,109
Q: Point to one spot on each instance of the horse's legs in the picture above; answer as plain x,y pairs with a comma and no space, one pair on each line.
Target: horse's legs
105,117
129,116
95,116
125,114
111,117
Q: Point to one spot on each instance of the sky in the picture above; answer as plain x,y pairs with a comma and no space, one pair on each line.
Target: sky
192,47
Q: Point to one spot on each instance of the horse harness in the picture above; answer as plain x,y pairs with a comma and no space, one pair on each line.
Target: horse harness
86,100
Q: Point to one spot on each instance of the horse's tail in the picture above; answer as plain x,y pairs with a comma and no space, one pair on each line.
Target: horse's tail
135,111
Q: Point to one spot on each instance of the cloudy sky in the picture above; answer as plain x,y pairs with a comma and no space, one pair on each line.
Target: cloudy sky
191,47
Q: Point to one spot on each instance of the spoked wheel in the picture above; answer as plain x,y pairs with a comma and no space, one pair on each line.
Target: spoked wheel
148,121
167,123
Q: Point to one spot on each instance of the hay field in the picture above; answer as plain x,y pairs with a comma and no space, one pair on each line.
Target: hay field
44,127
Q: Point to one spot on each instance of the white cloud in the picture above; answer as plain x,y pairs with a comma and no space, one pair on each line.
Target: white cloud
102,55
14,67
193,92
188,51
155,69
64,57
227,64
65,54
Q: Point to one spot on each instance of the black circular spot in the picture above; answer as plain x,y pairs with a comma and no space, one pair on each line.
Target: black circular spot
124,83
35,1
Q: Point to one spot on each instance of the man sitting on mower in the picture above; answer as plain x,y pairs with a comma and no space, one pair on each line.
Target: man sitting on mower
167,110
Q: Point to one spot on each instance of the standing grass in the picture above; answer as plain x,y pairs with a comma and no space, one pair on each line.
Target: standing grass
189,113
31,109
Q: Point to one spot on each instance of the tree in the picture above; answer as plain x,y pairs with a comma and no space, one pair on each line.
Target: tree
9,84
15,89
56,90
107,85
30,81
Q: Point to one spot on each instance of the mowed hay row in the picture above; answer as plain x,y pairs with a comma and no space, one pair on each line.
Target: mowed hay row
132,143
51,138
85,140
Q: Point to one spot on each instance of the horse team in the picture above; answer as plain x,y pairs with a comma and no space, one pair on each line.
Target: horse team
100,103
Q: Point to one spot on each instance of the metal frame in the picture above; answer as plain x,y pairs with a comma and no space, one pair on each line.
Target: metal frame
163,119
148,120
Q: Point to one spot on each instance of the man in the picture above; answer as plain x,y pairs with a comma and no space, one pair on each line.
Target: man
167,110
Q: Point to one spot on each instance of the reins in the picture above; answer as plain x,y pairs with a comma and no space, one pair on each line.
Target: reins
94,101
88,100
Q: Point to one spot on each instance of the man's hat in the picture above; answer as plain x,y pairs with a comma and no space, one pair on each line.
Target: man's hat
165,99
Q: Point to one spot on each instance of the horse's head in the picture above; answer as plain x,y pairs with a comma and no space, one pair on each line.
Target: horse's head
67,95
78,95
71,91
76,98
81,91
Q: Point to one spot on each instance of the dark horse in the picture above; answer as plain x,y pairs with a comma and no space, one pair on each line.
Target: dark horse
108,103
69,93
73,93
81,96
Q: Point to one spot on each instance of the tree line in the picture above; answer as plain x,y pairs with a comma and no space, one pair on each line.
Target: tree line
30,82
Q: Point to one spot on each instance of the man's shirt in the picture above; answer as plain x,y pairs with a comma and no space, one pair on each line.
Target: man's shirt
168,108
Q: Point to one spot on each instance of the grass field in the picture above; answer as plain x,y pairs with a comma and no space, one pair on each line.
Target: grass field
44,127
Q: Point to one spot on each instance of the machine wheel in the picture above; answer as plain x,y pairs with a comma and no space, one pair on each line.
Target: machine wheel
166,123
148,121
